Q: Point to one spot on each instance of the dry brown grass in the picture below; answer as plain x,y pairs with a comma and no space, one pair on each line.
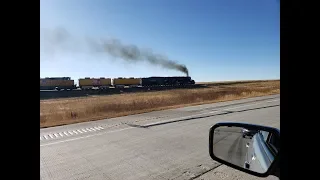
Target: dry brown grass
67,111
233,82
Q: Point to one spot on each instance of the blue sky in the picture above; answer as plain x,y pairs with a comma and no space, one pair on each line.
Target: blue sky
216,39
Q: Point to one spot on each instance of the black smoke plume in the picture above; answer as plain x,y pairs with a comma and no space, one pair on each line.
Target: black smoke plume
61,39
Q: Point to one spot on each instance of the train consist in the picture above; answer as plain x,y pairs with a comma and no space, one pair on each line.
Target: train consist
66,83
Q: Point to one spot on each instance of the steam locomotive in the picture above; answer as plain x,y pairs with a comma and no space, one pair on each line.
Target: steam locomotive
66,83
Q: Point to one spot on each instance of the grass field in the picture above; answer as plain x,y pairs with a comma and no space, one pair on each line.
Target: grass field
73,110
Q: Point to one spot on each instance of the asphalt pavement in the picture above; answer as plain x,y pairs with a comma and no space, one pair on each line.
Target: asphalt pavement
170,144
231,146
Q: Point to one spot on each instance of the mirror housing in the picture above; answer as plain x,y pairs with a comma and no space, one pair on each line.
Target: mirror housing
250,145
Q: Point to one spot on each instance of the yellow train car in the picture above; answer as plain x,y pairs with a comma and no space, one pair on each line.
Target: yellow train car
90,83
57,83
118,82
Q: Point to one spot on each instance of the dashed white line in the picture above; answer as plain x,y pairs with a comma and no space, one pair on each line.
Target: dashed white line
80,131
98,134
71,132
100,128
97,128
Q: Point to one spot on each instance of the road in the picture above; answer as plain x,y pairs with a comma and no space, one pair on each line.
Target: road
230,146
170,144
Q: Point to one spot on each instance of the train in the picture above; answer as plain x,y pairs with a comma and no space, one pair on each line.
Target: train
87,83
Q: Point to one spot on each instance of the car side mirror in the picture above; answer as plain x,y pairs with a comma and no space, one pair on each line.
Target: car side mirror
249,148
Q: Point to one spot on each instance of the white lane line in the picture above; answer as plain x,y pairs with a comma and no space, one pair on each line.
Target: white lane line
273,100
196,115
238,107
66,133
97,128
51,136
79,131
98,134
249,105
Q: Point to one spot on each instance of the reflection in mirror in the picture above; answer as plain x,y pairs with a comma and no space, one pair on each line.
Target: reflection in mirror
251,149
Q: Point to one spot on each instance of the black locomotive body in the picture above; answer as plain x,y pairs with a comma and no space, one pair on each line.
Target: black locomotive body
167,81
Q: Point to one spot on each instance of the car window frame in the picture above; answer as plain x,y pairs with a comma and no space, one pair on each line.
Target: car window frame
270,145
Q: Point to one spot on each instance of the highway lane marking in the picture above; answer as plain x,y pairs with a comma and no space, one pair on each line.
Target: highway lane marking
249,105
66,133
273,100
98,134
232,108
207,113
69,133
100,128
255,103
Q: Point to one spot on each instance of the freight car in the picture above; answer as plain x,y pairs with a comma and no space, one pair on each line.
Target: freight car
167,81
122,82
66,83
57,83
91,83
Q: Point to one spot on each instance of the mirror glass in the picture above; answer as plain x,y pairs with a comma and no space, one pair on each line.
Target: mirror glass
251,149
